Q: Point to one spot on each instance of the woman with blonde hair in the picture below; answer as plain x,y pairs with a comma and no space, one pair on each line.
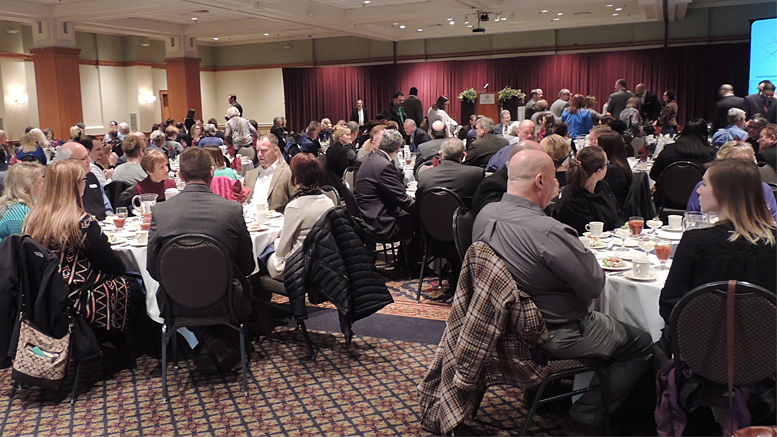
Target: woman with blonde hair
89,266
30,150
587,197
558,149
23,185
740,245
735,150
339,156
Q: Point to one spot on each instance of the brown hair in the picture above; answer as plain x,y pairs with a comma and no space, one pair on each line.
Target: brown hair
305,170
612,144
216,156
634,102
588,161
151,159
195,164
737,187
170,131
577,102
133,146
53,221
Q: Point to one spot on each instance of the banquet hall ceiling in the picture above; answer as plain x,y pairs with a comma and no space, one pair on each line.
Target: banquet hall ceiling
218,22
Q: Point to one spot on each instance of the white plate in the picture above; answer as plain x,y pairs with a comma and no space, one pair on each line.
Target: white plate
627,266
648,278
118,242
630,242
630,255
668,229
674,236
605,234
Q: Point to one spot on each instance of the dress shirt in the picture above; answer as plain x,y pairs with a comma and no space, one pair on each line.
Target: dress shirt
262,187
545,257
360,111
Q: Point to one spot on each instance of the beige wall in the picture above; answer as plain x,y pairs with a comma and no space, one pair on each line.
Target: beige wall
260,92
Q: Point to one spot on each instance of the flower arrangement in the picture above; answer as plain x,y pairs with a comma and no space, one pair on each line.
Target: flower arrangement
508,93
468,96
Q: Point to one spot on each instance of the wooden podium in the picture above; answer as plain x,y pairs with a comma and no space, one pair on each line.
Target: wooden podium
487,106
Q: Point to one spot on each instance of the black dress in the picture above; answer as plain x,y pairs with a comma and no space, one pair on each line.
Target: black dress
706,255
578,208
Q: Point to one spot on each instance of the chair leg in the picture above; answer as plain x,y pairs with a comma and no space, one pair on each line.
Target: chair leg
75,383
533,409
243,359
165,338
605,403
421,279
175,348
407,263
304,329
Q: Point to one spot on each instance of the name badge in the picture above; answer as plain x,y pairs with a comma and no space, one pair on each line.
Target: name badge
92,185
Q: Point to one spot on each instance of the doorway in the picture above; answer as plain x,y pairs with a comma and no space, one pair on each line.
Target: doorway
165,104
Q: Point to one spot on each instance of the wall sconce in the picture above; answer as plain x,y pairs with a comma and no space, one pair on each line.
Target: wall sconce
19,99
148,99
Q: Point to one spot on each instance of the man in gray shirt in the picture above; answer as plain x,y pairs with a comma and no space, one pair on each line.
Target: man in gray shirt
564,96
563,278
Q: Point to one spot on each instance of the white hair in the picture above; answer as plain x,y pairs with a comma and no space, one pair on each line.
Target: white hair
514,128
156,135
232,112
40,137
735,114
123,126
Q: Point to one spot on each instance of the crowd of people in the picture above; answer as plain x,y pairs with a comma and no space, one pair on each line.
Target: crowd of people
531,188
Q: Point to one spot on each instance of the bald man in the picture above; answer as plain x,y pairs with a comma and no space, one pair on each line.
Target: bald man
727,101
94,199
551,265
516,133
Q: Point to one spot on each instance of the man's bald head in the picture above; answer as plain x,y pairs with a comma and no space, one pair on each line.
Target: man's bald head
524,145
438,129
531,175
526,130
73,150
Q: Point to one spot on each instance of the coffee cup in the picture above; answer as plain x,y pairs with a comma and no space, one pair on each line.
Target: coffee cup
640,267
595,228
261,213
675,222
170,193
586,242
412,185
142,237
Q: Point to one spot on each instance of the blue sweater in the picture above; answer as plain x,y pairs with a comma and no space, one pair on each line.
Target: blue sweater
580,123
12,219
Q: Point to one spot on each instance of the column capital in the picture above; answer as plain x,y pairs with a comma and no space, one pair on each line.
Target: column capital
181,46
53,32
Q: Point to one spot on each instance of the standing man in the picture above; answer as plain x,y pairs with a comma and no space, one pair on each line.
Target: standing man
651,107
504,123
560,104
487,144
414,109
763,102
277,130
415,137
233,101
395,111
198,210
270,183
727,101
563,278
359,114
618,99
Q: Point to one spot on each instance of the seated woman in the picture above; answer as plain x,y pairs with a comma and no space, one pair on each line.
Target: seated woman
29,149
339,156
587,197
89,266
307,205
619,174
218,161
690,145
733,150
210,138
23,184
558,150
155,165
739,246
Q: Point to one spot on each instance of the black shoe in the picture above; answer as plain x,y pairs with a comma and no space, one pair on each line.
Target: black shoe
206,363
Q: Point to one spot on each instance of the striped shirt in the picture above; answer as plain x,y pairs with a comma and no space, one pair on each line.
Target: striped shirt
12,219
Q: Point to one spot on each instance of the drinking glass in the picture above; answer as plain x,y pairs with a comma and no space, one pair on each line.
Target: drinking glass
121,218
647,244
654,224
635,225
663,252
145,225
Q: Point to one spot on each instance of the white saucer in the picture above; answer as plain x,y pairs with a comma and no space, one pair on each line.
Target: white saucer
605,234
648,278
668,229
674,236
630,255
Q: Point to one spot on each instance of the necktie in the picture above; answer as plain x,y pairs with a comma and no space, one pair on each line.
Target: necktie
401,116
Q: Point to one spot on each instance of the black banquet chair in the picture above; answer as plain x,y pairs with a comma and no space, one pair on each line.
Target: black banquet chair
463,220
196,271
436,209
675,186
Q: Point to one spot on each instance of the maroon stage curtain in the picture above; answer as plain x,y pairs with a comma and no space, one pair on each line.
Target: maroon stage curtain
694,72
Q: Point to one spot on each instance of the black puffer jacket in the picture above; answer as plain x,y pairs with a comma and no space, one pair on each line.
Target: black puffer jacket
336,260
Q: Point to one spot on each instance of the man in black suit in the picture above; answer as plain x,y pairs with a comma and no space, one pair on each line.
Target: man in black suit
618,99
277,130
395,112
415,137
651,107
233,101
727,101
198,210
388,212
763,102
487,144
430,149
414,109
450,174
359,114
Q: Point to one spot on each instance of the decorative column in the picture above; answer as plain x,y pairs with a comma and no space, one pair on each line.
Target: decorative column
183,76
57,76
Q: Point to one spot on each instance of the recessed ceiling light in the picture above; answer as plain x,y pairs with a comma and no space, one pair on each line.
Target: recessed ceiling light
470,26
419,30
194,18
402,26
395,24
451,23
466,22
266,34
366,2
614,15
215,39
609,6
556,19
559,14
543,11
450,19
618,9
504,19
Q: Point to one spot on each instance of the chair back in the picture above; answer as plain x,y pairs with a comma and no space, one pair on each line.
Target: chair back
773,186
331,193
195,270
630,150
676,184
113,190
247,151
698,332
462,230
768,174
350,201
348,177
638,200
436,208
636,144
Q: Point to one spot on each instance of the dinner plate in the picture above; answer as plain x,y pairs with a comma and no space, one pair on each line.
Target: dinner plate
598,245
674,236
648,278
627,266
256,228
630,255
668,229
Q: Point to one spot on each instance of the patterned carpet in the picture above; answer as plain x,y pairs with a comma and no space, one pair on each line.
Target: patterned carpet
335,395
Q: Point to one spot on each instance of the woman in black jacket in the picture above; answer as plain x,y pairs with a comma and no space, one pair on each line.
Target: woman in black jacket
587,197
691,145
619,174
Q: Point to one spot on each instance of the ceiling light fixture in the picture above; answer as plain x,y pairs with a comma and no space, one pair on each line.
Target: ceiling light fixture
419,30
402,26
451,23
470,26
450,19
395,24
618,9
609,6
366,2
215,39
544,11
614,15
559,14
194,18
266,34
556,19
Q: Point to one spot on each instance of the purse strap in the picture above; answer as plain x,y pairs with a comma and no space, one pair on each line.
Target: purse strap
730,294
